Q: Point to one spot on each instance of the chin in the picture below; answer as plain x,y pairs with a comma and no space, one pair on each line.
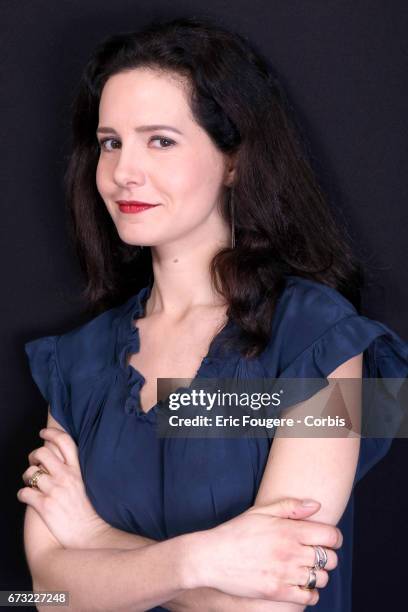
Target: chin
129,236
132,240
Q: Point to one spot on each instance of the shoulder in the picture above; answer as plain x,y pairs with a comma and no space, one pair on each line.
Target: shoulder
93,344
86,349
315,329
313,298
64,366
305,311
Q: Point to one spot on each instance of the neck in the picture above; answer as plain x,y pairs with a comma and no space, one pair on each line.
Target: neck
182,280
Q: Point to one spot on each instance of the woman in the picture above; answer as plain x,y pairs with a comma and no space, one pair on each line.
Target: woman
210,252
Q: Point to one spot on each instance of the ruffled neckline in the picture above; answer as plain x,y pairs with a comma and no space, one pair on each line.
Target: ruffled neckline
213,365
352,334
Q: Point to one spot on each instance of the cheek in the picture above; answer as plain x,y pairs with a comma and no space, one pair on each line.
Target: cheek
196,178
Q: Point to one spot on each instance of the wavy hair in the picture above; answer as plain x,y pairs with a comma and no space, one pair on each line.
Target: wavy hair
283,223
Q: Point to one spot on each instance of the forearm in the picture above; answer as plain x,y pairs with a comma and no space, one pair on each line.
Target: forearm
211,600
109,537
120,580
200,599
102,580
193,599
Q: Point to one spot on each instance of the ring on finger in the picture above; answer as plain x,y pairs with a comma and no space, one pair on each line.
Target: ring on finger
311,581
320,556
33,481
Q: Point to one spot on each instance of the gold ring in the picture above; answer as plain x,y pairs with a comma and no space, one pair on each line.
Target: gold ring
34,478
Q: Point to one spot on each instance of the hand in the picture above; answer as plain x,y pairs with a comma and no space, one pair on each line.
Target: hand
263,553
61,499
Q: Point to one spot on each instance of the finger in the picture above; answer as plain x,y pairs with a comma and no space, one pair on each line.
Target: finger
44,481
54,448
64,442
302,577
33,460
46,458
308,556
288,507
319,534
31,496
297,595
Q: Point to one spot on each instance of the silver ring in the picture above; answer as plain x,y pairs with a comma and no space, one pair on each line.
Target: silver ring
321,557
311,581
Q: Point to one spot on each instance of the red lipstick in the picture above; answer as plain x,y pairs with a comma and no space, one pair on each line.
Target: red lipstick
133,206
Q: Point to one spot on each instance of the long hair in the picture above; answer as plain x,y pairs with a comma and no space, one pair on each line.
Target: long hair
283,223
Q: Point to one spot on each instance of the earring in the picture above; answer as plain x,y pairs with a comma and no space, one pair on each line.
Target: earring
232,219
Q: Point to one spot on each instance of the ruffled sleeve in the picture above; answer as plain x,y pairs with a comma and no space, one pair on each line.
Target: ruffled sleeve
320,330
385,356
45,370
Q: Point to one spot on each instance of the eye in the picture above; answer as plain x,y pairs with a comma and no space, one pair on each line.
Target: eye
166,142
104,141
162,139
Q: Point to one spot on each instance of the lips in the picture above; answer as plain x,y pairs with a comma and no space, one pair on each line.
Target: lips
134,203
133,206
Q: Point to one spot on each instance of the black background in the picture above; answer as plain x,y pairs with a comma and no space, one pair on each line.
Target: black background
344,65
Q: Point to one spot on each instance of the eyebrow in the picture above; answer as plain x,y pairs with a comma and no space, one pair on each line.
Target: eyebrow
141,128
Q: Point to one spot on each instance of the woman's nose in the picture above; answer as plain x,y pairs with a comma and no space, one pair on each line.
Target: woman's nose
129,167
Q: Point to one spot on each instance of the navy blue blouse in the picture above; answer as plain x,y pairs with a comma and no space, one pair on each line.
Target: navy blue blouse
163,487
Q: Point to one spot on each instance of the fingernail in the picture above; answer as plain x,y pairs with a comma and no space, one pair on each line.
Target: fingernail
310,502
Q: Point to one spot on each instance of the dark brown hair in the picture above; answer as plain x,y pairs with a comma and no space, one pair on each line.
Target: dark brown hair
283,224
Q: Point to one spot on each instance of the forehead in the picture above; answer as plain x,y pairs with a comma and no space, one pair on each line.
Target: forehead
144,94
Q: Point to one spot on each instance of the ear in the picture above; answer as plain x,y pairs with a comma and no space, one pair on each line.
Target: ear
230,170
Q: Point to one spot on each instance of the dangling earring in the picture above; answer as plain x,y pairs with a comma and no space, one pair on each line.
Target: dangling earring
232,219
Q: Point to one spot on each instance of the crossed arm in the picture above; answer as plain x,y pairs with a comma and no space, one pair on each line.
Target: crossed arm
294,469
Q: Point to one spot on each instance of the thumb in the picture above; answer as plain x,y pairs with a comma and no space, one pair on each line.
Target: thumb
290,508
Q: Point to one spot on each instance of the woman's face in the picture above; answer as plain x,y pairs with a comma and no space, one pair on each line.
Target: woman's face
176,167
